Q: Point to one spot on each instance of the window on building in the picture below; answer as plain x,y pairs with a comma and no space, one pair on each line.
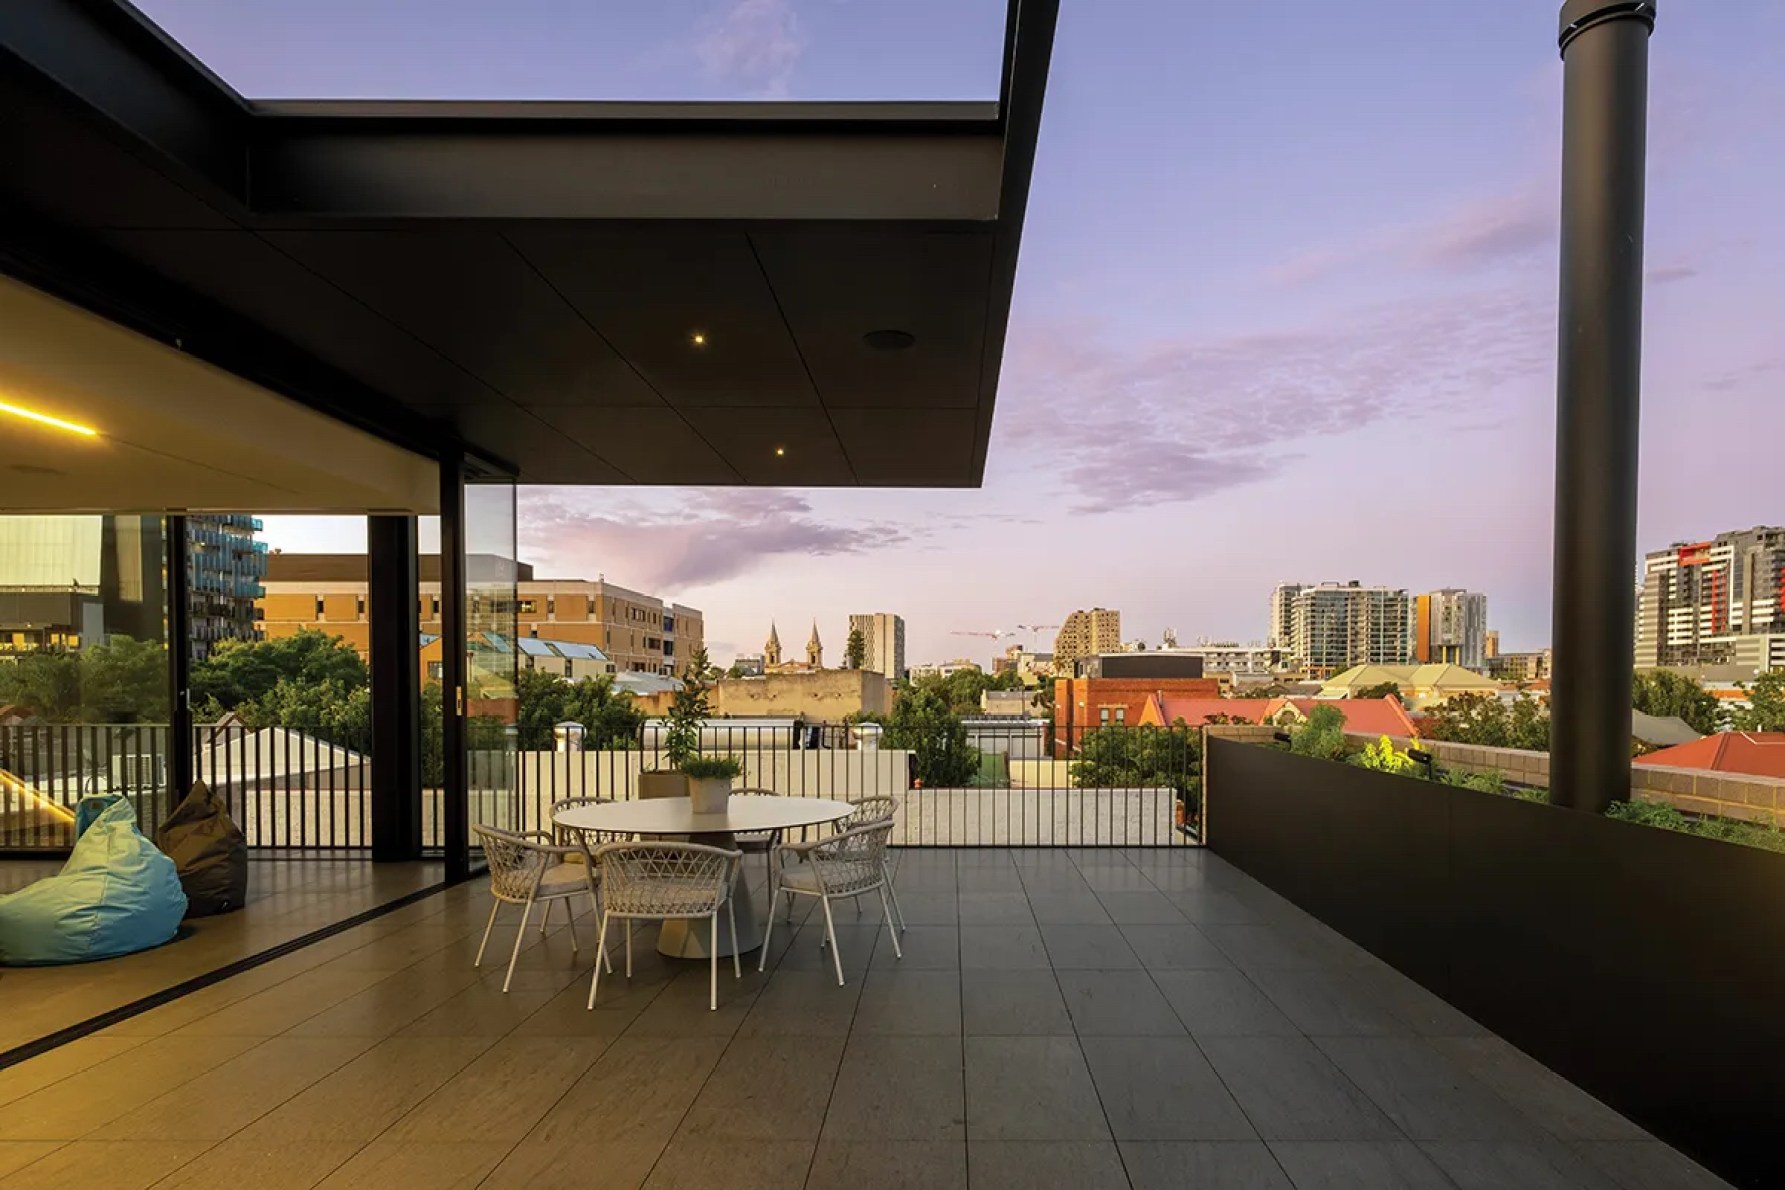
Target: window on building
319,607
1121,714
551,605
528,607
1103,716
361,607
436,670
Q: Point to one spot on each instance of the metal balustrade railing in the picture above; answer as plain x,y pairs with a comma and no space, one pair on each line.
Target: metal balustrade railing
1011,785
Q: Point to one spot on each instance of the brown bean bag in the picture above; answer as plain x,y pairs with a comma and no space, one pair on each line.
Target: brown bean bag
209,851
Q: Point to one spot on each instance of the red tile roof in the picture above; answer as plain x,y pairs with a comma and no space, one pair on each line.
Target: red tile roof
1375,716
1197,711
1756,754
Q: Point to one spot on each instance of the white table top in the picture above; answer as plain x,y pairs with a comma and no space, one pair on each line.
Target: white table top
675,815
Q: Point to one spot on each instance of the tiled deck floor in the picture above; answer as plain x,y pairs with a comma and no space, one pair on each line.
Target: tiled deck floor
1072,1019
287,898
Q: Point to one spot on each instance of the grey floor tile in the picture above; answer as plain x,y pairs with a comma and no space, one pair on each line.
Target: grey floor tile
1203,1165
437,1165
995,909
1647,1165
1114,876
1359,1164
926,948
1502,1165
1424,1012
114,1164
856,942
691,1163
1002,878
1206,905
802,1004
889,1165
1327,1002
767,1088
1162,1088
1291,1091
911,1003
1117,1004
928,908
1178,947
1140,907
1031,1088
1062,908
1025,1164
1013,1003
503,1093
1271,944
1002,948
1222,1003
898,1088
683,1008
1426,1095
1554,1103
372,1092
72,1107
263,1164
1087,948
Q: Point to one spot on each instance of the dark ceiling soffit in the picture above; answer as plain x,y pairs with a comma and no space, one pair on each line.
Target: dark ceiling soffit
106,57
1029,30
122,291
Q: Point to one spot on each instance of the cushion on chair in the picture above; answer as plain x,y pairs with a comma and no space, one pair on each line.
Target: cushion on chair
564,878
800,877
116,894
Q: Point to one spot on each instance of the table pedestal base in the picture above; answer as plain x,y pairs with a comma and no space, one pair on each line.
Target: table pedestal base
684,938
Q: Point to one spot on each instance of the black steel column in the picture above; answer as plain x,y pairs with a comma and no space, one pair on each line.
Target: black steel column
1605,49
455,763
393,608
179,660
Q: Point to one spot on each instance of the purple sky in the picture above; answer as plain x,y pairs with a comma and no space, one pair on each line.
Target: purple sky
1285,311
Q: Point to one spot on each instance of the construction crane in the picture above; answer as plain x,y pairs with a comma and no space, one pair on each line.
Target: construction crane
1032,629
998,634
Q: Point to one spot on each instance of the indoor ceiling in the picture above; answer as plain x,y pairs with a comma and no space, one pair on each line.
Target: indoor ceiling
579,293
171,433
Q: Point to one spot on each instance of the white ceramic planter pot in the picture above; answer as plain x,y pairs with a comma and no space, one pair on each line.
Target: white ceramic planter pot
709,794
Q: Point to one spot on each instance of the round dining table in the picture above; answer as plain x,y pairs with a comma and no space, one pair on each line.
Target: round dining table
656,817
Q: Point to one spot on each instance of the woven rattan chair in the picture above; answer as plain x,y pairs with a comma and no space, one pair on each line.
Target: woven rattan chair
761,843
849,864
569,835
528,870
663,881
878,807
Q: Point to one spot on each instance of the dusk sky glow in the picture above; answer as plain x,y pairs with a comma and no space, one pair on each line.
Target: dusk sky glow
1286,307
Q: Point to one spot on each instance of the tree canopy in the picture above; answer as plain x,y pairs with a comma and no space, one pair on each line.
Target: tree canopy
923,722
1666,693
855,653
240,672
610,718
1486,720
1766,704
1380,690
120,680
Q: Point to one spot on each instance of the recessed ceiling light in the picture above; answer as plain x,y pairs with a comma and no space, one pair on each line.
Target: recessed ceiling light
780,452
889,340
698,338
44,419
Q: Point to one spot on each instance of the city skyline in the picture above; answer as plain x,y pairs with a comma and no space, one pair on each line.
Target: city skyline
1333,359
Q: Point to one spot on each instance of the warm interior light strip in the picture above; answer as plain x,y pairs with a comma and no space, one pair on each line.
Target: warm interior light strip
46,419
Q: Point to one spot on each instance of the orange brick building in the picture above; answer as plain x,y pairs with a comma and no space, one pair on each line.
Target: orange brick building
1085,704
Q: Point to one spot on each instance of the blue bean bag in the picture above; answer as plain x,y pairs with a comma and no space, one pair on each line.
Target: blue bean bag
116,895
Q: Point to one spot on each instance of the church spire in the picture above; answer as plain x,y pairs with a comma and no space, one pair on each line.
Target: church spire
771,651
815,649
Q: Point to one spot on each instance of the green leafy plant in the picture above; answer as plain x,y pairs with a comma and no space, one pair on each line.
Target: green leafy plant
713,768
923,722
1766,704
1666,817
688,713
1384,758
1665,693
1322,736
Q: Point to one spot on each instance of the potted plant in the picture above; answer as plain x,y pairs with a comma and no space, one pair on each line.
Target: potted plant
709,781
688,713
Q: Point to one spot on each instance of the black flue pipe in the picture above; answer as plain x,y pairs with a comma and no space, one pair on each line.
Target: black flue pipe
1605,54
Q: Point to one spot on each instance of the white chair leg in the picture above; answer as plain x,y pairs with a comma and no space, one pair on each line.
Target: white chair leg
713,962
487,927
891,930
570,921
830,930
893,892
518,935
601,916
544,918
629,948
768,933
600,954
731,919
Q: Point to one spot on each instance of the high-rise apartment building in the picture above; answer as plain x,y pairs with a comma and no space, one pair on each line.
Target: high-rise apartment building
1491,644
1334,626
1087,633
1283,615
883,642
1450,625
1719,602
639,633
70,581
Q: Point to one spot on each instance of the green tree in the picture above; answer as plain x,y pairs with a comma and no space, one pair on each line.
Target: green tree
1121,756
329,710
47,685
120,680
1384,758
923,722
1322,736
1486,720
688,712
542,702
610,717
1381,690
1666,693
239,672
855,653
1766,704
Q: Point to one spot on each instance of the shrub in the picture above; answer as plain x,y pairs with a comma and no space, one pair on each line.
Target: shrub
713,768
1383,757
1322,736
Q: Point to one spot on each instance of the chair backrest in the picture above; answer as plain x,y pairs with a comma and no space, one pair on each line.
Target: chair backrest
853,860
515,862
873,808
568,835
659,879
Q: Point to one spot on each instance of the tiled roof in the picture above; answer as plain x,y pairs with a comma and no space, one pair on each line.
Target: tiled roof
1377,716
1756,754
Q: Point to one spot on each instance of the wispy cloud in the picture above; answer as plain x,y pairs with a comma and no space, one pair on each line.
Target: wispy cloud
703,537
1182,419
755,44
1476,236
